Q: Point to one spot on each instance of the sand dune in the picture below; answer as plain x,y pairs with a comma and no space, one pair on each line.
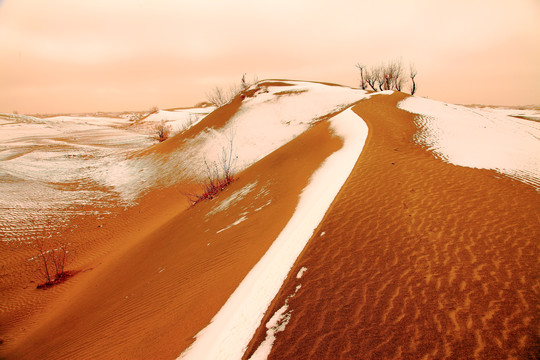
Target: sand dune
416,257
422,259
154,275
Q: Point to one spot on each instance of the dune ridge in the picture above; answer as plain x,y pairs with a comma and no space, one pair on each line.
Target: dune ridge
149,298
415,259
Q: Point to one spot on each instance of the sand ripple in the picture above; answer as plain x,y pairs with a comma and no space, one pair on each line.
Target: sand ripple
419,260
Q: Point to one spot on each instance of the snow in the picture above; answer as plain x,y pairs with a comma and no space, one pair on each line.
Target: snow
178,120
241,219
532,113
39,158
49,166
301,272
231,329
478,138
263,205
277,323
233,198
267,121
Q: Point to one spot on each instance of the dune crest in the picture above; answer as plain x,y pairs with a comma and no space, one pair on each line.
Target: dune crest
375,247
422,259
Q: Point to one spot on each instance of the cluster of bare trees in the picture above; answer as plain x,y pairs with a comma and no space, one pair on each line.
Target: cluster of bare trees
391,76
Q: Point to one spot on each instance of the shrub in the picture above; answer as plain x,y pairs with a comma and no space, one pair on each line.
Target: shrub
51,264
218,175
219,97
162,131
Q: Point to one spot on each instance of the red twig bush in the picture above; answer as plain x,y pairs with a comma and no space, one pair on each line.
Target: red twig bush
218,175
51,264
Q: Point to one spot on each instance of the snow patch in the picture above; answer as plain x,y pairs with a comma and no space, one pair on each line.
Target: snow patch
264,205
232,199
276,324
301,272
231,329
478,139
243,218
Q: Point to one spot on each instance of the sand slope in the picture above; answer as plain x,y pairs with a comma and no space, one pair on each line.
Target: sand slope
416,259
161,270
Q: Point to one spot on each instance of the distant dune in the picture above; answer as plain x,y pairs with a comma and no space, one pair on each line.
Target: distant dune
358,225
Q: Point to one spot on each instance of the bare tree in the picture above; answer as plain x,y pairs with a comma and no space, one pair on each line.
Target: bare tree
217,96
243,84
371,78
361,67
396,75
381,77
412,75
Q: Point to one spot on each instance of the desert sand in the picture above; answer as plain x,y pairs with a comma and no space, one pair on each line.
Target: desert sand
415,258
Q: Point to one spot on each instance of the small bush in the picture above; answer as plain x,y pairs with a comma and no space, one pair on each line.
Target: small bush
162,131
51,263
192,118
219,174
219,96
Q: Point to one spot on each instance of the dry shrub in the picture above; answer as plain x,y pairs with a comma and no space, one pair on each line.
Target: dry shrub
219,96
219,174
162,131
50,262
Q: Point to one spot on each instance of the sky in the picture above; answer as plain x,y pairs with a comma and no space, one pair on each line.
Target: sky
61,56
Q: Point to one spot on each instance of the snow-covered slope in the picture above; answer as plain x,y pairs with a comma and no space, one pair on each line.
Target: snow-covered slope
50,166
478,138
269,119
274,114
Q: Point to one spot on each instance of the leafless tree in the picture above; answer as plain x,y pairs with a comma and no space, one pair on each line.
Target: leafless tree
381,77
395,75
243,84
412,75
44,259
361,67
217,96
372,78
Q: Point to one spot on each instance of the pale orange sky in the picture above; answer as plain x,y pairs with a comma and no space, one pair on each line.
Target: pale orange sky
105,55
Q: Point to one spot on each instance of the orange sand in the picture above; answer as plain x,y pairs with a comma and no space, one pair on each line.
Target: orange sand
163,274
419,260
